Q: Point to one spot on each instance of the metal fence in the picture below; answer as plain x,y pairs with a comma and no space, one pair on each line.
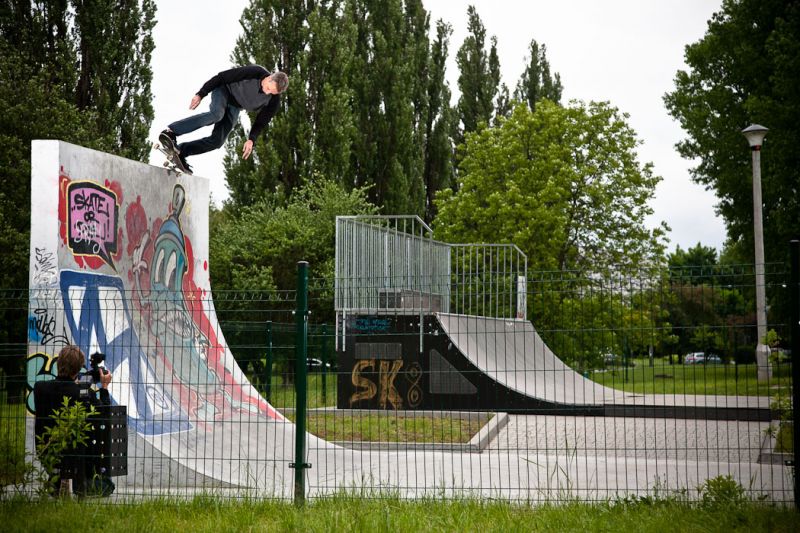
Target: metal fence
556,387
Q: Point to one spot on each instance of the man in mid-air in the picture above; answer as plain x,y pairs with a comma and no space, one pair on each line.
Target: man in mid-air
252,88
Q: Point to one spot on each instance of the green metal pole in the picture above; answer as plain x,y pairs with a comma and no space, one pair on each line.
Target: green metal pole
794,296
301,383
324,365
268,363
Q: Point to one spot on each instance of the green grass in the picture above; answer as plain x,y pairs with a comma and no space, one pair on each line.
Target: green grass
784,443
390,515
12,442
663,378
284,396
392,427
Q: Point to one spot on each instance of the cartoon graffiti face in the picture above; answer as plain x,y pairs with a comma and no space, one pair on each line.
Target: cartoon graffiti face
184,346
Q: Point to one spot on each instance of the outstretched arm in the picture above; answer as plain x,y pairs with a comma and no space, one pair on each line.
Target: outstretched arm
262,119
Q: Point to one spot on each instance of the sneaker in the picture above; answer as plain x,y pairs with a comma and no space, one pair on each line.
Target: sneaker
186,167
169,140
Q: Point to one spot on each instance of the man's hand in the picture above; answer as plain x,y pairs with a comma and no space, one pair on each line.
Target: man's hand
195,101
105,378
247,149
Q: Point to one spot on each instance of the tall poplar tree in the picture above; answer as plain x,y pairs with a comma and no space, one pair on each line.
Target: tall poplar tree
438,171
367,106
536,81
479,76
114,46
96,54
275,35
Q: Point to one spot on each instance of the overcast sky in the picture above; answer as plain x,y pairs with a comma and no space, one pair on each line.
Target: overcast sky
622,51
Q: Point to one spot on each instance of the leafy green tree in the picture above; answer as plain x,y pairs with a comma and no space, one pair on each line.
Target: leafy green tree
536,81
478,78
746,69
563,184
257,248
96,54
26,92
697,265
697,256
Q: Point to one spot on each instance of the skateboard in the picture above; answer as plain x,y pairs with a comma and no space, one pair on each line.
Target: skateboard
173,162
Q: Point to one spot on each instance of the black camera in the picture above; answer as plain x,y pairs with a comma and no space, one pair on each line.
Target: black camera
95,370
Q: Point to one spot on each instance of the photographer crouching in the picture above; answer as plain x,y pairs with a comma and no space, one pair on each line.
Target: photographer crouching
49,396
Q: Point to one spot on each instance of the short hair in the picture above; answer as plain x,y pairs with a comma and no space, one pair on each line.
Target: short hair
70,361
281,80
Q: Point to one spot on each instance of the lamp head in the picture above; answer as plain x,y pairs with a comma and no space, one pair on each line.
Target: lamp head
755,134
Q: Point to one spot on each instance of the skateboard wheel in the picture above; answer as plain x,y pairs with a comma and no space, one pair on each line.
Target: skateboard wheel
166,163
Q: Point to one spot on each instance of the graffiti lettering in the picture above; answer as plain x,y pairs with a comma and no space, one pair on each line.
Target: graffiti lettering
359,381
42,328
93,220
88,233
91,205
389,394
371,325
44,269
414,375
387,373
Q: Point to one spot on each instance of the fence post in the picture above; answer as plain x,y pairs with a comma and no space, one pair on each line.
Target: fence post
300,383
268,364
794,296
325,358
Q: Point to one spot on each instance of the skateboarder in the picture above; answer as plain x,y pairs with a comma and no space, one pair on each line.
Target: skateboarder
252,88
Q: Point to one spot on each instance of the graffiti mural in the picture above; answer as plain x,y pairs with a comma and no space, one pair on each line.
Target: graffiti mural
92,220
173,317
38,367
97,312
116,273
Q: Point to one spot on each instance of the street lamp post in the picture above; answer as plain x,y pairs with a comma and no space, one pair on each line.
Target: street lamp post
755,134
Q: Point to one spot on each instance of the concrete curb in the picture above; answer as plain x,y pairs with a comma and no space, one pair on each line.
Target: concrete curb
476,444
767,456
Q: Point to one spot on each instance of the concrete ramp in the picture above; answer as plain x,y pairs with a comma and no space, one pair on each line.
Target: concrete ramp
514,357
119,265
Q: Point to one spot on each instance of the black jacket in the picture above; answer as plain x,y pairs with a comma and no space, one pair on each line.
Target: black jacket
244,88
49,396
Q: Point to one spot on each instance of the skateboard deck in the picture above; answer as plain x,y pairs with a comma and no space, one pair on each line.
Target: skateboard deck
173,163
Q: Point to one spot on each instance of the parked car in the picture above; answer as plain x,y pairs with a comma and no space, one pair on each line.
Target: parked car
612,359
700,358
315,365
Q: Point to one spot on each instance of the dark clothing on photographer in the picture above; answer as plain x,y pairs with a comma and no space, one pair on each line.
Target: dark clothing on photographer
48,396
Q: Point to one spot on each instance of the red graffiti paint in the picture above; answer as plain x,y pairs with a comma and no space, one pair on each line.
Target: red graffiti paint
194,298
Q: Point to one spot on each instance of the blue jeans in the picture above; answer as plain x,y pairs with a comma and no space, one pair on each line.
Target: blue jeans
222,114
